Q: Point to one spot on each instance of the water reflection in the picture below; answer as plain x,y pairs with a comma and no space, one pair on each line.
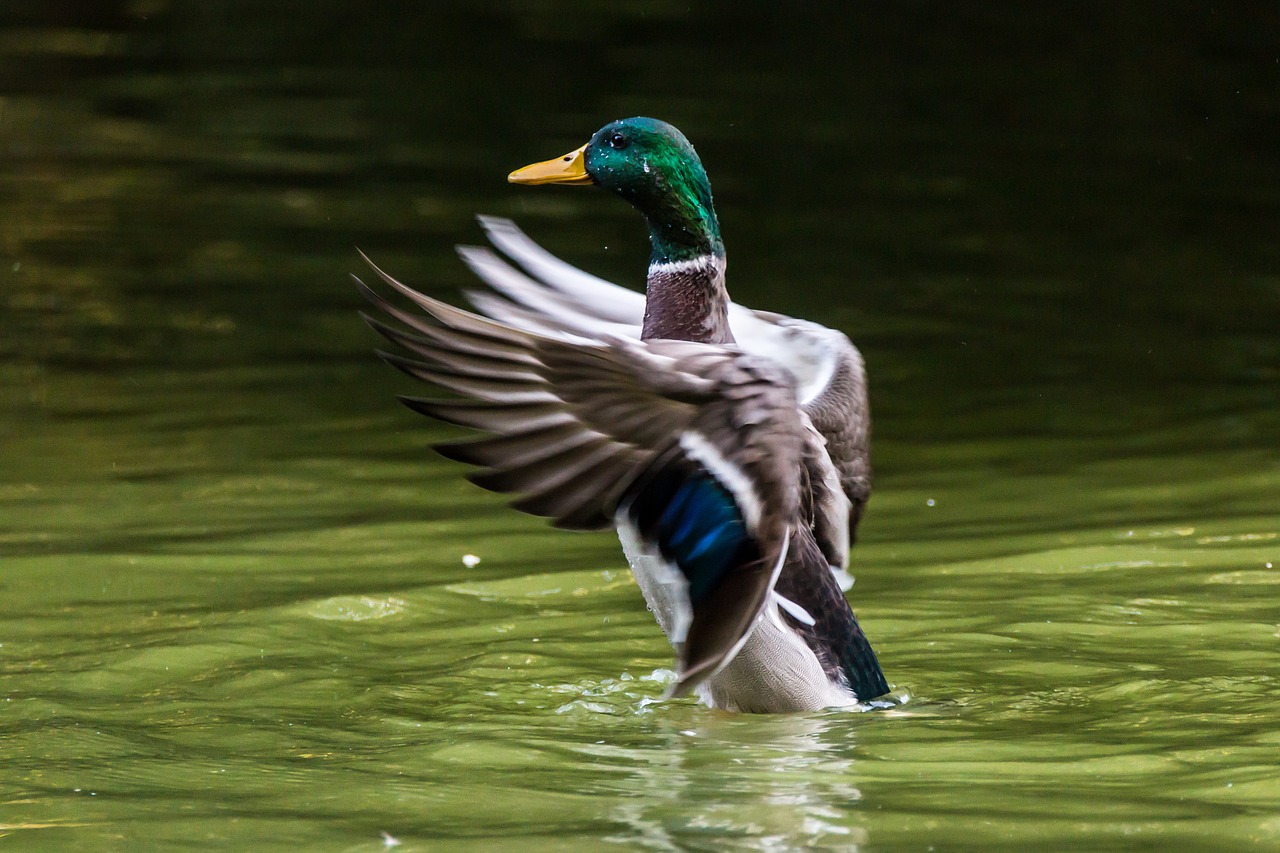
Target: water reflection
761,783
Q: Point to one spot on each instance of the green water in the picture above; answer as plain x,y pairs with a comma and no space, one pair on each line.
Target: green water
235,613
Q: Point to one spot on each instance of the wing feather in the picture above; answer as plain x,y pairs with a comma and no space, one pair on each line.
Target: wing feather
489,416
519,448
606,300
552,297
571,426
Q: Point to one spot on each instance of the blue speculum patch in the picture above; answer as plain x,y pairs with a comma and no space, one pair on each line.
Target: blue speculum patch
697,525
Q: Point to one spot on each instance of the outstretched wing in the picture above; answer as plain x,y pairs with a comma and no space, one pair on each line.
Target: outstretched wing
584,429
538,291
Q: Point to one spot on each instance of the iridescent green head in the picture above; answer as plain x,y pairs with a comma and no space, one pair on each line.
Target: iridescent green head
651,165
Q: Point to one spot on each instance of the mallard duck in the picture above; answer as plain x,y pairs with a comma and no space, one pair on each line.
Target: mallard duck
728,447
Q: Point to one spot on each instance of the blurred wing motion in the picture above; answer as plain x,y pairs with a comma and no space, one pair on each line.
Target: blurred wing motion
683,443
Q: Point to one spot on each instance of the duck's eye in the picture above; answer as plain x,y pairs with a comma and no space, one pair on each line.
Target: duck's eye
618,142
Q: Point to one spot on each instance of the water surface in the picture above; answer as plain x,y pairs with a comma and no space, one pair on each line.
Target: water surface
236,613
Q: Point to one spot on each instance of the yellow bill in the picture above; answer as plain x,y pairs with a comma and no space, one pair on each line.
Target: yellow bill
569,169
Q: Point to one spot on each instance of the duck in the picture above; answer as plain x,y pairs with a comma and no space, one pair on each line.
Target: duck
729,448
